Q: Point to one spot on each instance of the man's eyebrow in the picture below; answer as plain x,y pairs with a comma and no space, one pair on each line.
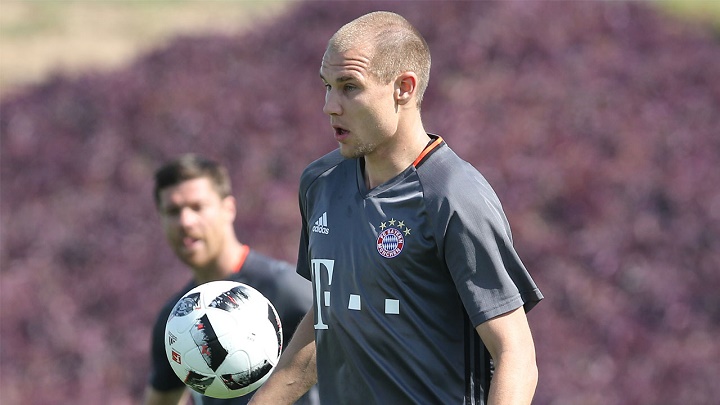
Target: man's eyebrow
341,79
168,207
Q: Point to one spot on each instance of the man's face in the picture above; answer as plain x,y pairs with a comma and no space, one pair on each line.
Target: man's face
196,221
362,111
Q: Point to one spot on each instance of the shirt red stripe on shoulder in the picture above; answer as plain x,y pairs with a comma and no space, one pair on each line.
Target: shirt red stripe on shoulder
244,250
433,145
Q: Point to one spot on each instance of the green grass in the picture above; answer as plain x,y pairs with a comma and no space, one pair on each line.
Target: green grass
38,37
704,11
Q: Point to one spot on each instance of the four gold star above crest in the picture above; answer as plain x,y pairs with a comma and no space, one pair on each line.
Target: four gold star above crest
393,222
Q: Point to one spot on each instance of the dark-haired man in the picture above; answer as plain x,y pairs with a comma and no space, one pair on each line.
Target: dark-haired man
193,196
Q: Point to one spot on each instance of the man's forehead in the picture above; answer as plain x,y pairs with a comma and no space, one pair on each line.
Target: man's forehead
198,188
338,67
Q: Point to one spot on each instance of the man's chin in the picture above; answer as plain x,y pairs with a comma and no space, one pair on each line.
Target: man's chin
192,259
350,152
354,151
345,154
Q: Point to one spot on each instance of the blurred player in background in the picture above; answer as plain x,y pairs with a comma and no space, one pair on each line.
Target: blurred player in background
420,296
194,199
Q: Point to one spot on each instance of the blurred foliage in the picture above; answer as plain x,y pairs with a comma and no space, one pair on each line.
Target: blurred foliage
596,122
707,11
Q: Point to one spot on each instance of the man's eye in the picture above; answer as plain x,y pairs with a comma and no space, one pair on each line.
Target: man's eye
172,212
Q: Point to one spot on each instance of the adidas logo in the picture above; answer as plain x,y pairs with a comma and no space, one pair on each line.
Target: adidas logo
321,225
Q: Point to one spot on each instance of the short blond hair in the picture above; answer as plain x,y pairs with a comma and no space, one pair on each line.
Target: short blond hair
395,46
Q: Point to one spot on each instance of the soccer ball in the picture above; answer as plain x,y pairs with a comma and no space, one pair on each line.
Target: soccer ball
223,339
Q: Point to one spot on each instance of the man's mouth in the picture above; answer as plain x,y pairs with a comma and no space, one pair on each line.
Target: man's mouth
340,132
188,242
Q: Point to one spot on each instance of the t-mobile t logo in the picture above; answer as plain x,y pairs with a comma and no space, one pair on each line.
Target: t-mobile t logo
322,296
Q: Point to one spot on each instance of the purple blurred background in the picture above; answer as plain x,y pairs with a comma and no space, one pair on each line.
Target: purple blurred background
598,123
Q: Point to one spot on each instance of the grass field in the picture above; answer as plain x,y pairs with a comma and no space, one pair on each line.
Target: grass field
41,37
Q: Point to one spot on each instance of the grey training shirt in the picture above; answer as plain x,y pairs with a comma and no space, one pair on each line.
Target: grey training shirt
402,274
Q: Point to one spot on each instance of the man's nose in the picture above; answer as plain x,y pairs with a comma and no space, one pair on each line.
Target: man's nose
332,106
187,217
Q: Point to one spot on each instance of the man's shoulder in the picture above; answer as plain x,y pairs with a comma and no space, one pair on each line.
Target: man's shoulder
447,172
260,270
449,179
320,167
258,261
277,280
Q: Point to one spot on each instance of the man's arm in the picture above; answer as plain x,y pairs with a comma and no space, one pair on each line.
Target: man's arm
510,343
295,373
173,397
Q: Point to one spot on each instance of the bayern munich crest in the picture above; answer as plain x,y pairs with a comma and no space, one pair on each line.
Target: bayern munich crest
391,240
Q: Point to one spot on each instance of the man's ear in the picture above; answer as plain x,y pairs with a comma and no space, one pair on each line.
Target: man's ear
230,205
405,87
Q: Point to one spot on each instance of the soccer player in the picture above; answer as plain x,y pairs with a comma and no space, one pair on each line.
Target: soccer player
420,296
194,199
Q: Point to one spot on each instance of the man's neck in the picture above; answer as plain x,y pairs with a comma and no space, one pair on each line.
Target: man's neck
386,164
225,265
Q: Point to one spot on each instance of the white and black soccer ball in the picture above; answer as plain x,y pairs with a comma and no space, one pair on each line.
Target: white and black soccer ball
223,339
